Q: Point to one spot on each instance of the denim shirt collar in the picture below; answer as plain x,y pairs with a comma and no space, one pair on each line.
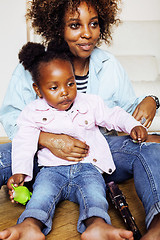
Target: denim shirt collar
96,67
98,57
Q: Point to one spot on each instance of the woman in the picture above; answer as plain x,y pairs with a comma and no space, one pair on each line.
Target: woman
61,109
81,29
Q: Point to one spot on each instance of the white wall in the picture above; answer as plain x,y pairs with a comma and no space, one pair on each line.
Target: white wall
141,10
139,32
136,38
12,37
13,34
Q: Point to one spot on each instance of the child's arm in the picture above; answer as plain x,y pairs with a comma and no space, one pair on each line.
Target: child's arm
118,119
16,180
139,134
24,144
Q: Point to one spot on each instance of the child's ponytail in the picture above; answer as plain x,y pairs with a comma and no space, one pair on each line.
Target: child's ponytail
30,54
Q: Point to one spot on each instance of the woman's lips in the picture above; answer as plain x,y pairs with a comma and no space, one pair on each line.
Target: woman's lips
85,47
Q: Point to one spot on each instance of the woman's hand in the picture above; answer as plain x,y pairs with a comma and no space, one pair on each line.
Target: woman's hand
64,146
16,180
139,134
145,110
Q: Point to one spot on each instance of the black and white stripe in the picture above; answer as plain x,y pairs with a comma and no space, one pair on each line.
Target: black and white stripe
81,82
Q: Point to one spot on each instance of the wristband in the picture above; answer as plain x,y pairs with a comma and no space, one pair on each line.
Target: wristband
156,99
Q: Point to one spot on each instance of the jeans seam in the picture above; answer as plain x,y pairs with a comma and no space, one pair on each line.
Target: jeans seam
55,199
83,196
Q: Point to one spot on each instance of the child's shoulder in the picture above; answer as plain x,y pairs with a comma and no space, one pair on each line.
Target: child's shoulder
89,101
33,109
88,97
38,104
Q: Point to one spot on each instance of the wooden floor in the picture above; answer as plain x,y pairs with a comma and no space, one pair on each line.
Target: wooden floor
64,223
66,216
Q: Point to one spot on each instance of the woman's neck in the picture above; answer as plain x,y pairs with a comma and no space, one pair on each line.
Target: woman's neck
81,66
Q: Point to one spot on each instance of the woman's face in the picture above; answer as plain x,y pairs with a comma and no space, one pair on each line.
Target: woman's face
82,30
57,84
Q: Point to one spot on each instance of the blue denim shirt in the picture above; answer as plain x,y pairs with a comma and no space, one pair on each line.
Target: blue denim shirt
107,79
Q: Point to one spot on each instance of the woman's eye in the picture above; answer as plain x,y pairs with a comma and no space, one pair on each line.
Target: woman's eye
74,25
94,24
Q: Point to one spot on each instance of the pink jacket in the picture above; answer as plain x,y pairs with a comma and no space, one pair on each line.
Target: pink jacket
81,122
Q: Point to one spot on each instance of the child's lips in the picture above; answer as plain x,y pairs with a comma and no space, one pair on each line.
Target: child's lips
65,102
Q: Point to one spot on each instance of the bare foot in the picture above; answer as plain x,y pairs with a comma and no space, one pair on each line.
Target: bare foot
154,229
99,229
29,229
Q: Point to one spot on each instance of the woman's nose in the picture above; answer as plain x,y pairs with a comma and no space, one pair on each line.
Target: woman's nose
86,32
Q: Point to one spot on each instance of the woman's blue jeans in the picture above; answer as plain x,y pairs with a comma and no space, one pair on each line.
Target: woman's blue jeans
141,161
5,163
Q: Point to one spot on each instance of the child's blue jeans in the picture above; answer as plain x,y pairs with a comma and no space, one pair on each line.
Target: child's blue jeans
81,183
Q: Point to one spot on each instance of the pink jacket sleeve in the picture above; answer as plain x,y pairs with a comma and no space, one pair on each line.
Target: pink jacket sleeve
25,145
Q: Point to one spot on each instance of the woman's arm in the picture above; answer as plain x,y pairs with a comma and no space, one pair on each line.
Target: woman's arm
64,146
19,93
146,109
140,107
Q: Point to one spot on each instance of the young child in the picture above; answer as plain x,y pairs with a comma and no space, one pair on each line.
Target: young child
61,110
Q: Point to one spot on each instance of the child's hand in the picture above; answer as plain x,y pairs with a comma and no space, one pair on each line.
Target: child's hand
16,180
139,134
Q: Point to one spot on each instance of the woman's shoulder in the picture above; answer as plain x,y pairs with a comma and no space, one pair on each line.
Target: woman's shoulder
105,61
102,55
21,78
19,71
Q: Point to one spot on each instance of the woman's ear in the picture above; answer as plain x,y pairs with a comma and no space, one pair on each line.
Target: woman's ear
37,90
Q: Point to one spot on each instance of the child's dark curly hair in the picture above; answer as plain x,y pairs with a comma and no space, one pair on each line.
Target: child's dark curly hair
34,55
48,17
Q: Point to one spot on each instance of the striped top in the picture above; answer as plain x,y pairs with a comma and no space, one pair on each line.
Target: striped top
82,82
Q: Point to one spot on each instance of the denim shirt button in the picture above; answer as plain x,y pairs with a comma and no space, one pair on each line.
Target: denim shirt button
94,160
110,170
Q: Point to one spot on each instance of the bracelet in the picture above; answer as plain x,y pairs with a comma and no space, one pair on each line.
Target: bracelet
156,99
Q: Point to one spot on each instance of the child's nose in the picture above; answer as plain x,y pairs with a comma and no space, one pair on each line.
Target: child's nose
64,92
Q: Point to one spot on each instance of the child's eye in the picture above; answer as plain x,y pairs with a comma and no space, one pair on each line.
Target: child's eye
53,88
71,84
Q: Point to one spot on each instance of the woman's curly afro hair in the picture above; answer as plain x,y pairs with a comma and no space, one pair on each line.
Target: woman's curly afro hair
47,17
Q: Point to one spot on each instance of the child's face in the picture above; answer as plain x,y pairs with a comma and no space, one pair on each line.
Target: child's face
82,30
57,84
